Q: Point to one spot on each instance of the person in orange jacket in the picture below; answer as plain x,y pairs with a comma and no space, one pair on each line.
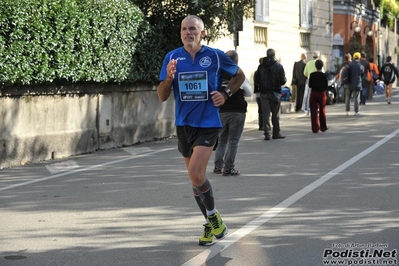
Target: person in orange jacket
366,80
375,73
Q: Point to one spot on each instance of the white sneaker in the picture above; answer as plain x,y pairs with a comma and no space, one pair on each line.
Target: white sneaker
347,113
357,113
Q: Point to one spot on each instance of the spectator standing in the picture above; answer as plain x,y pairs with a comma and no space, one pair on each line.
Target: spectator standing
345,80
347,60
198,67
318,99
366,78
299,81
388,72
356,72
232,114
375,73
309,69
258,102
270,76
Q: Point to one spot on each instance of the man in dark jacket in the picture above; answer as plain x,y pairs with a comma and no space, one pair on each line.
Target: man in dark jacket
258,102
356,72
300,81
270,76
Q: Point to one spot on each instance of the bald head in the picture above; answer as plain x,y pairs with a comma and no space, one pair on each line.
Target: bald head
198,19
233,56
271,53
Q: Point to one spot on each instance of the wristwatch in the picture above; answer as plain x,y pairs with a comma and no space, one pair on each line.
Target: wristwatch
228,92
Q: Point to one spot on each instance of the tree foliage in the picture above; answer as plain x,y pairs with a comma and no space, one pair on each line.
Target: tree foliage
165,19
217,15
355,46
389,10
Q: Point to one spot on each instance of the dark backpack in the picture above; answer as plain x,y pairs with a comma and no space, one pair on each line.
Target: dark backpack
344,74
388,73
260,78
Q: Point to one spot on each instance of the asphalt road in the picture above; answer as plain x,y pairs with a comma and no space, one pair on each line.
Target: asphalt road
311,199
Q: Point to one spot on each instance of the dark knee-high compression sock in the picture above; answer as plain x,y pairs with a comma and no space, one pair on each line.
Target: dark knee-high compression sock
199,201
206,194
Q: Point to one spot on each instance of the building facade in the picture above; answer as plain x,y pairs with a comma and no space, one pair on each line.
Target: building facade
356,29
290,27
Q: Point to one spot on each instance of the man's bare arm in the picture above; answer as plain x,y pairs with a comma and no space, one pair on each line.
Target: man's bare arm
164,89
236,81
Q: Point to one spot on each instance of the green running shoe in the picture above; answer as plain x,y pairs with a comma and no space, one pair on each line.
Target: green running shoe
219,229
207,237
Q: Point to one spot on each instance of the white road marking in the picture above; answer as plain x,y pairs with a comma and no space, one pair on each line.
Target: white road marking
62,166
223,244
135,151
82,169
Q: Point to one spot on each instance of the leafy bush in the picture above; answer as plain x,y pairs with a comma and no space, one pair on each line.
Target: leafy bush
68,41
100,41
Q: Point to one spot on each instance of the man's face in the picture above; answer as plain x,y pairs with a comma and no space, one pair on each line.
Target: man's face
191,32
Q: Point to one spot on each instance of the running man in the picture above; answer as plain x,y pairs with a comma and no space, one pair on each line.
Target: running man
194,73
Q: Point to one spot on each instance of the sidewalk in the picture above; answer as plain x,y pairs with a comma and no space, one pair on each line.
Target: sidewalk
252,110
289,107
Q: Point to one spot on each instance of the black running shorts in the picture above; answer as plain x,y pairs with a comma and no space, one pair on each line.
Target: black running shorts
189,137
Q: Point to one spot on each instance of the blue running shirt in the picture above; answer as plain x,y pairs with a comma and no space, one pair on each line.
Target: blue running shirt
193,82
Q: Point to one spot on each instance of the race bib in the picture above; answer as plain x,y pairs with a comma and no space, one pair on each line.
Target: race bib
193,86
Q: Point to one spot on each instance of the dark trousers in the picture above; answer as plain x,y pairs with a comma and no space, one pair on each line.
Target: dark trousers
317,103
300,91
273,108
364,93
371,91
260,114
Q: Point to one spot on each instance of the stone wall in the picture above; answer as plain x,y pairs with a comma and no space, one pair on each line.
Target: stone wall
46,123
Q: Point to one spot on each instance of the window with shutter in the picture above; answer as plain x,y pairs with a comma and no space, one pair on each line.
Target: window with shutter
260,35
262,11
307,14
305,40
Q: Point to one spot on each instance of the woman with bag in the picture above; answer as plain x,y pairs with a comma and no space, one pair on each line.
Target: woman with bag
318,98
375,73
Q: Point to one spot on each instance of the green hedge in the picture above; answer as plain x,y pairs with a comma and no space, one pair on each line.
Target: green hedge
68,41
